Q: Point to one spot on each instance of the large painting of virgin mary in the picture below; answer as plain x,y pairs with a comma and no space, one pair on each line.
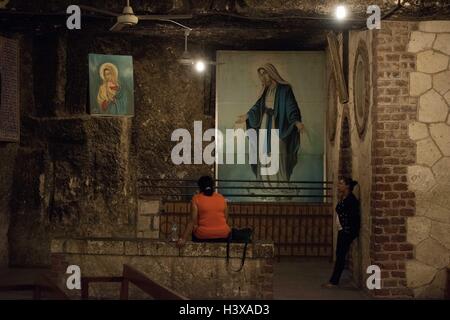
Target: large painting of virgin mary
268,90
111,85
276,108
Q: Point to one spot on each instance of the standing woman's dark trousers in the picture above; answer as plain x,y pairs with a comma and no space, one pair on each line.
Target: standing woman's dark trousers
344,240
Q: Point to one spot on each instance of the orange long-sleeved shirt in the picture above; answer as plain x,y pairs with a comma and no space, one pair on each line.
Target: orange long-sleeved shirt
211,219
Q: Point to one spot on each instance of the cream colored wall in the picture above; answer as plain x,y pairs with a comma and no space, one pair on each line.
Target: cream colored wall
361,159
429,178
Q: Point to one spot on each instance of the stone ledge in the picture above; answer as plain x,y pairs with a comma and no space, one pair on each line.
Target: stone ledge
146,247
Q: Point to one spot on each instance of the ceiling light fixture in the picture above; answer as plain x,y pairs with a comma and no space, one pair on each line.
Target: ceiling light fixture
186,58
200,66
341,12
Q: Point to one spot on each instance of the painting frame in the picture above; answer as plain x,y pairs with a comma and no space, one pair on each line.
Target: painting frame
231,100
111,85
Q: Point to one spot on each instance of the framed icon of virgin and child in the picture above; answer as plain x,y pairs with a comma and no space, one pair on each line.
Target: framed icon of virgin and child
272,90
111,87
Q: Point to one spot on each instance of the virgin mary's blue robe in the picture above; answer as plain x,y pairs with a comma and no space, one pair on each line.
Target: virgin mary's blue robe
287,113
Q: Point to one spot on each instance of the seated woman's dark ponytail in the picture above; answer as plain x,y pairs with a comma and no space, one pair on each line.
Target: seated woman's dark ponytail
206,185
350,183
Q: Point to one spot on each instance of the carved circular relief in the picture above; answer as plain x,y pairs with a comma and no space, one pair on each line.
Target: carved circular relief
332,108
361,88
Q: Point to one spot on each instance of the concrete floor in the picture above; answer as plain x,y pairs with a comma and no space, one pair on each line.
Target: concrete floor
301,278
294,279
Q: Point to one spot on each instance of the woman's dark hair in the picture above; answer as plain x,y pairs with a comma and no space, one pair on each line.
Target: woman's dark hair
206,185
349,182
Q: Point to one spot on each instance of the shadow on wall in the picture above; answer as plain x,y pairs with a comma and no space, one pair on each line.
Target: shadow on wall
7,160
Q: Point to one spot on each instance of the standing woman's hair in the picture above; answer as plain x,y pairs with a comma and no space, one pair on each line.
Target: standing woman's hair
206,185
350,183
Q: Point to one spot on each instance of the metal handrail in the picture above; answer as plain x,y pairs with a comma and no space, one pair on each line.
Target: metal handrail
139,279
239,180
243,187
246,195
288,190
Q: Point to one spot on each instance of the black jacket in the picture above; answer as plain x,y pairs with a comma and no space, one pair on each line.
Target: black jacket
349,215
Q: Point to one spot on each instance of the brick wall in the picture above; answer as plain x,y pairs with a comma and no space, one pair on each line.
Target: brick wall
392,152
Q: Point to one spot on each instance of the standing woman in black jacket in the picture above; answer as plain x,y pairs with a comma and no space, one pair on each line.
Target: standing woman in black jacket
348,222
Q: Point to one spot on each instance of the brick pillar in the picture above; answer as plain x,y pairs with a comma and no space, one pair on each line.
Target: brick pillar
392,152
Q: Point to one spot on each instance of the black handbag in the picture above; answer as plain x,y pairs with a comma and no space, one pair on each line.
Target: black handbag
239,236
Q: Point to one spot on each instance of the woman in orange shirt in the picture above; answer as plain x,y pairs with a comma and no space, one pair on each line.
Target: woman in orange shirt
209,215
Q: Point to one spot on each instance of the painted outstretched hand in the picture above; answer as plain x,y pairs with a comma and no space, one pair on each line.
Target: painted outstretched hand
240,122
242,118
300,127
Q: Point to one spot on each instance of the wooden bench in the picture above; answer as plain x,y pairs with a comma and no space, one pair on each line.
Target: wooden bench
139,279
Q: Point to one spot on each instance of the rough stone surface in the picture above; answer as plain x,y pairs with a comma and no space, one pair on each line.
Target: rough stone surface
197,271
429,230
427,152
420,41
431,62
418,274
417,130
441,82
148,234
441,135
432,253
437,201
441,232
105,247
77,174
447,98
421,208
434,26
420,178
148,206
432,107
419,83
144,223
441,170
418,229
442,43
8,153
439,213
436,289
